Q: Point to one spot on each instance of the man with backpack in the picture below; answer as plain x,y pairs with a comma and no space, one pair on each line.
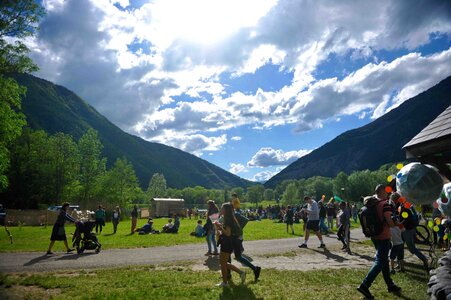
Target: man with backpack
379,232
410,223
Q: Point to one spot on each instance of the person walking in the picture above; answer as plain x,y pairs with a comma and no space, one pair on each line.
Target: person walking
212,212
134,215
331,213
100,218
289,216
116,218
322,218
312,211
343,230
228,231
58,231
382,244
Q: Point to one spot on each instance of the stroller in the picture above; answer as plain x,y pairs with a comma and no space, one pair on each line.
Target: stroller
84,239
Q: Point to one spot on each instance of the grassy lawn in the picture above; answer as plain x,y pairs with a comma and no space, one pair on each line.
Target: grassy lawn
30,238
180,282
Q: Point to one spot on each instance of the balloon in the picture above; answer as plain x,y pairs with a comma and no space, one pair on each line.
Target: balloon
388,189
437,221
338,199
407,205
430,224
419,183
402,200
399,166
443,202
390,178
445,237
436,229
405,215
323,196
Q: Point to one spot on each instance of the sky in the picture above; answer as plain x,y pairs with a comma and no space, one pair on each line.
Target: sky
248,85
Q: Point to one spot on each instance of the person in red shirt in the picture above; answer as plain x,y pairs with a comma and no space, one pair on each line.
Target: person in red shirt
382,244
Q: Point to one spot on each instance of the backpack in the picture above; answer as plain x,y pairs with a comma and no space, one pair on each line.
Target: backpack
242,220
370,222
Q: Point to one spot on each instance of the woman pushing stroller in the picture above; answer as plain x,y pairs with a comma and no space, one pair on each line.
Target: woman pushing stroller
58,231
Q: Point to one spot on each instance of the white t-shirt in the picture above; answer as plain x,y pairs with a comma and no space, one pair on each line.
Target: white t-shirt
313,211
396,237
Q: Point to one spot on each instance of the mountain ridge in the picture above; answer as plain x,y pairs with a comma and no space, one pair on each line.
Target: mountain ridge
54,108
385,136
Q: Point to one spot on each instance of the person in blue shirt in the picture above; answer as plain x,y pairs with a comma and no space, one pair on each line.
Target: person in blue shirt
100,218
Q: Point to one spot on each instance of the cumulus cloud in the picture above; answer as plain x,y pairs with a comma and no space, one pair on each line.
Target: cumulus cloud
237,168
262,176
266,157
236,138
137,65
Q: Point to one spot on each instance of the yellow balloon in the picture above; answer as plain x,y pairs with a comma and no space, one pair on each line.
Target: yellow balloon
430,224
445,237
389,178
404,215
437,221
399,166
436,229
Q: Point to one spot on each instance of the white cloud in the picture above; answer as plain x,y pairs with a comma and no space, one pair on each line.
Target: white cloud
236,138
266,157
129,63
237,168
263,176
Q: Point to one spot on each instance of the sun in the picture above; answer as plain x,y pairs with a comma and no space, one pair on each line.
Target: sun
205,21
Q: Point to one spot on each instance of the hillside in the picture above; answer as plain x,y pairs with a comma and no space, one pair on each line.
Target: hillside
54,108
374,144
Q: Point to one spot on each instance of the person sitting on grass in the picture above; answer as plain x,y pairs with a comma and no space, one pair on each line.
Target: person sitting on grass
172,227
199,230
168,226
147,228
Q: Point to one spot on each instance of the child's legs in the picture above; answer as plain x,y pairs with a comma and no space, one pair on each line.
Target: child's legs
223,258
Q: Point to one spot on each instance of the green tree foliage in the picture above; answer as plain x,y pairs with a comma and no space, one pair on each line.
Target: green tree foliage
157,186
92,165
255,194
291,194
119,186
18,19
239,191
269,195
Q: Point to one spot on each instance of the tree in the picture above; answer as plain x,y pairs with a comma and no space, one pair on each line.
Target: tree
18,19
157,187
92,166
120,184
255,194
268,194
341,186
291,194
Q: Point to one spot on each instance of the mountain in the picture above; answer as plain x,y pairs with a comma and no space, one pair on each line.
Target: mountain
377,143
54,108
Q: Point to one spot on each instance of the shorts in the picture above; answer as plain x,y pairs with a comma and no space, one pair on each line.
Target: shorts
313,225
397,251
226,243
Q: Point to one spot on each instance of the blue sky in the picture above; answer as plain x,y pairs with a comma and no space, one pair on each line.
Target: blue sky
252,85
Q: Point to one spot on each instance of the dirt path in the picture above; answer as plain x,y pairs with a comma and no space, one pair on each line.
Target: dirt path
278,254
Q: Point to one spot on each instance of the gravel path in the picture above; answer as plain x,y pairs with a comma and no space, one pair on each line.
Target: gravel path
267,253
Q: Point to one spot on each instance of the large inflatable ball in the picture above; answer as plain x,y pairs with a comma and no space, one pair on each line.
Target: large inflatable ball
418,183
443,201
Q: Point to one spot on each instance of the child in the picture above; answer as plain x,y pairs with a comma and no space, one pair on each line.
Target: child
168,226
199,230
344,217
397,249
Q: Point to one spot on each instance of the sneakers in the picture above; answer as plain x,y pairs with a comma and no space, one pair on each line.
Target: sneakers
49,253
322,245
208,253
243,277
215,253
303,246
363,289
393,288
257,273
69,250
222,284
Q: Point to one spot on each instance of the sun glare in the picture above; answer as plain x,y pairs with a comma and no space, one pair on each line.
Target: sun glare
205,21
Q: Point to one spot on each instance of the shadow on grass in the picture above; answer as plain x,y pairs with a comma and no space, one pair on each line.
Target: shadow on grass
237,292
37,260
109,234
212,263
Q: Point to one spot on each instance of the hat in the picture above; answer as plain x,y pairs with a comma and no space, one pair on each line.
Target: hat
379,188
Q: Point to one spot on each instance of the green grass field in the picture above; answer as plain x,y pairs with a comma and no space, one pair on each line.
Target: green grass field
180,282
31,238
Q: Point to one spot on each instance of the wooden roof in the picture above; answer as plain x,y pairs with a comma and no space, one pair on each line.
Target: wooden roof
433,139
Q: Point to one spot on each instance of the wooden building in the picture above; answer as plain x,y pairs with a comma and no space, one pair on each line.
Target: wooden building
166,207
